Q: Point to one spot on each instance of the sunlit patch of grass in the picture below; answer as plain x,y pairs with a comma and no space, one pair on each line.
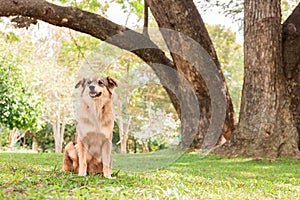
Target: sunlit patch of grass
191,176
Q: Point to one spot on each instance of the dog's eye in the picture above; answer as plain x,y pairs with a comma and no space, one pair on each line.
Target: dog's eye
100,82
89,82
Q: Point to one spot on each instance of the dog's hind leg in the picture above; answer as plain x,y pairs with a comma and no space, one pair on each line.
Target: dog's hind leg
70,158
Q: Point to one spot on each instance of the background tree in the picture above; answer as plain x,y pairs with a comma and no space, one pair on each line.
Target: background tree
231,58
49,80
57,97
60,53
20,106
122,110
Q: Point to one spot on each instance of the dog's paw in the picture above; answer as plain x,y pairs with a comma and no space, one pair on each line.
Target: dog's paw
108,176
82,173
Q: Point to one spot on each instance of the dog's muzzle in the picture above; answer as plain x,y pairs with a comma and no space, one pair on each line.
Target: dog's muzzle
93,93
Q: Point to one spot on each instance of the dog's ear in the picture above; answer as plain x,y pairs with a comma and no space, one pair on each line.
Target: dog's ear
80,83
112,83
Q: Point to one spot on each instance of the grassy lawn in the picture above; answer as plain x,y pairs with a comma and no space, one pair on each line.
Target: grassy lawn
160,175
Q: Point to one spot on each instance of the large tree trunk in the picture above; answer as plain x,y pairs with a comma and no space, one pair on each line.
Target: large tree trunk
182,16
265,127
291,58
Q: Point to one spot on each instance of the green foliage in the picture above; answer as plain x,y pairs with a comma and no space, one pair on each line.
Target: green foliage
38,176
4,137
20,108
89,5
9,37
132,7
230,55
287,6
116,136
45,138
135,144
72,52
138,6
70,132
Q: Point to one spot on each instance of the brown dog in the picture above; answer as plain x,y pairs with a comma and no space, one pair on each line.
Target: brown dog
92,153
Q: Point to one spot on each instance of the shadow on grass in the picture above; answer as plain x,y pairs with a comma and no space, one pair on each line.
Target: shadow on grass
216,166
146,161
208,166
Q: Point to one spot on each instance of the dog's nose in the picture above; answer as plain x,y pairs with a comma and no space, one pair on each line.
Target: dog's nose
92,87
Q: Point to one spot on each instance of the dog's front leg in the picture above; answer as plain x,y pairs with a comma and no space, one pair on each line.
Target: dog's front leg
107,159
82,155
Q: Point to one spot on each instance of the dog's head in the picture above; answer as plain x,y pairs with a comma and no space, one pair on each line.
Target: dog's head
97,86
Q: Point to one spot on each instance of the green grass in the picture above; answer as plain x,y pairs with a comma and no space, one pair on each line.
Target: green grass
191,176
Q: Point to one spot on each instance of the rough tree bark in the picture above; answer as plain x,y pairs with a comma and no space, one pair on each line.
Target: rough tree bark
99,27
185,18
291,62
265,127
